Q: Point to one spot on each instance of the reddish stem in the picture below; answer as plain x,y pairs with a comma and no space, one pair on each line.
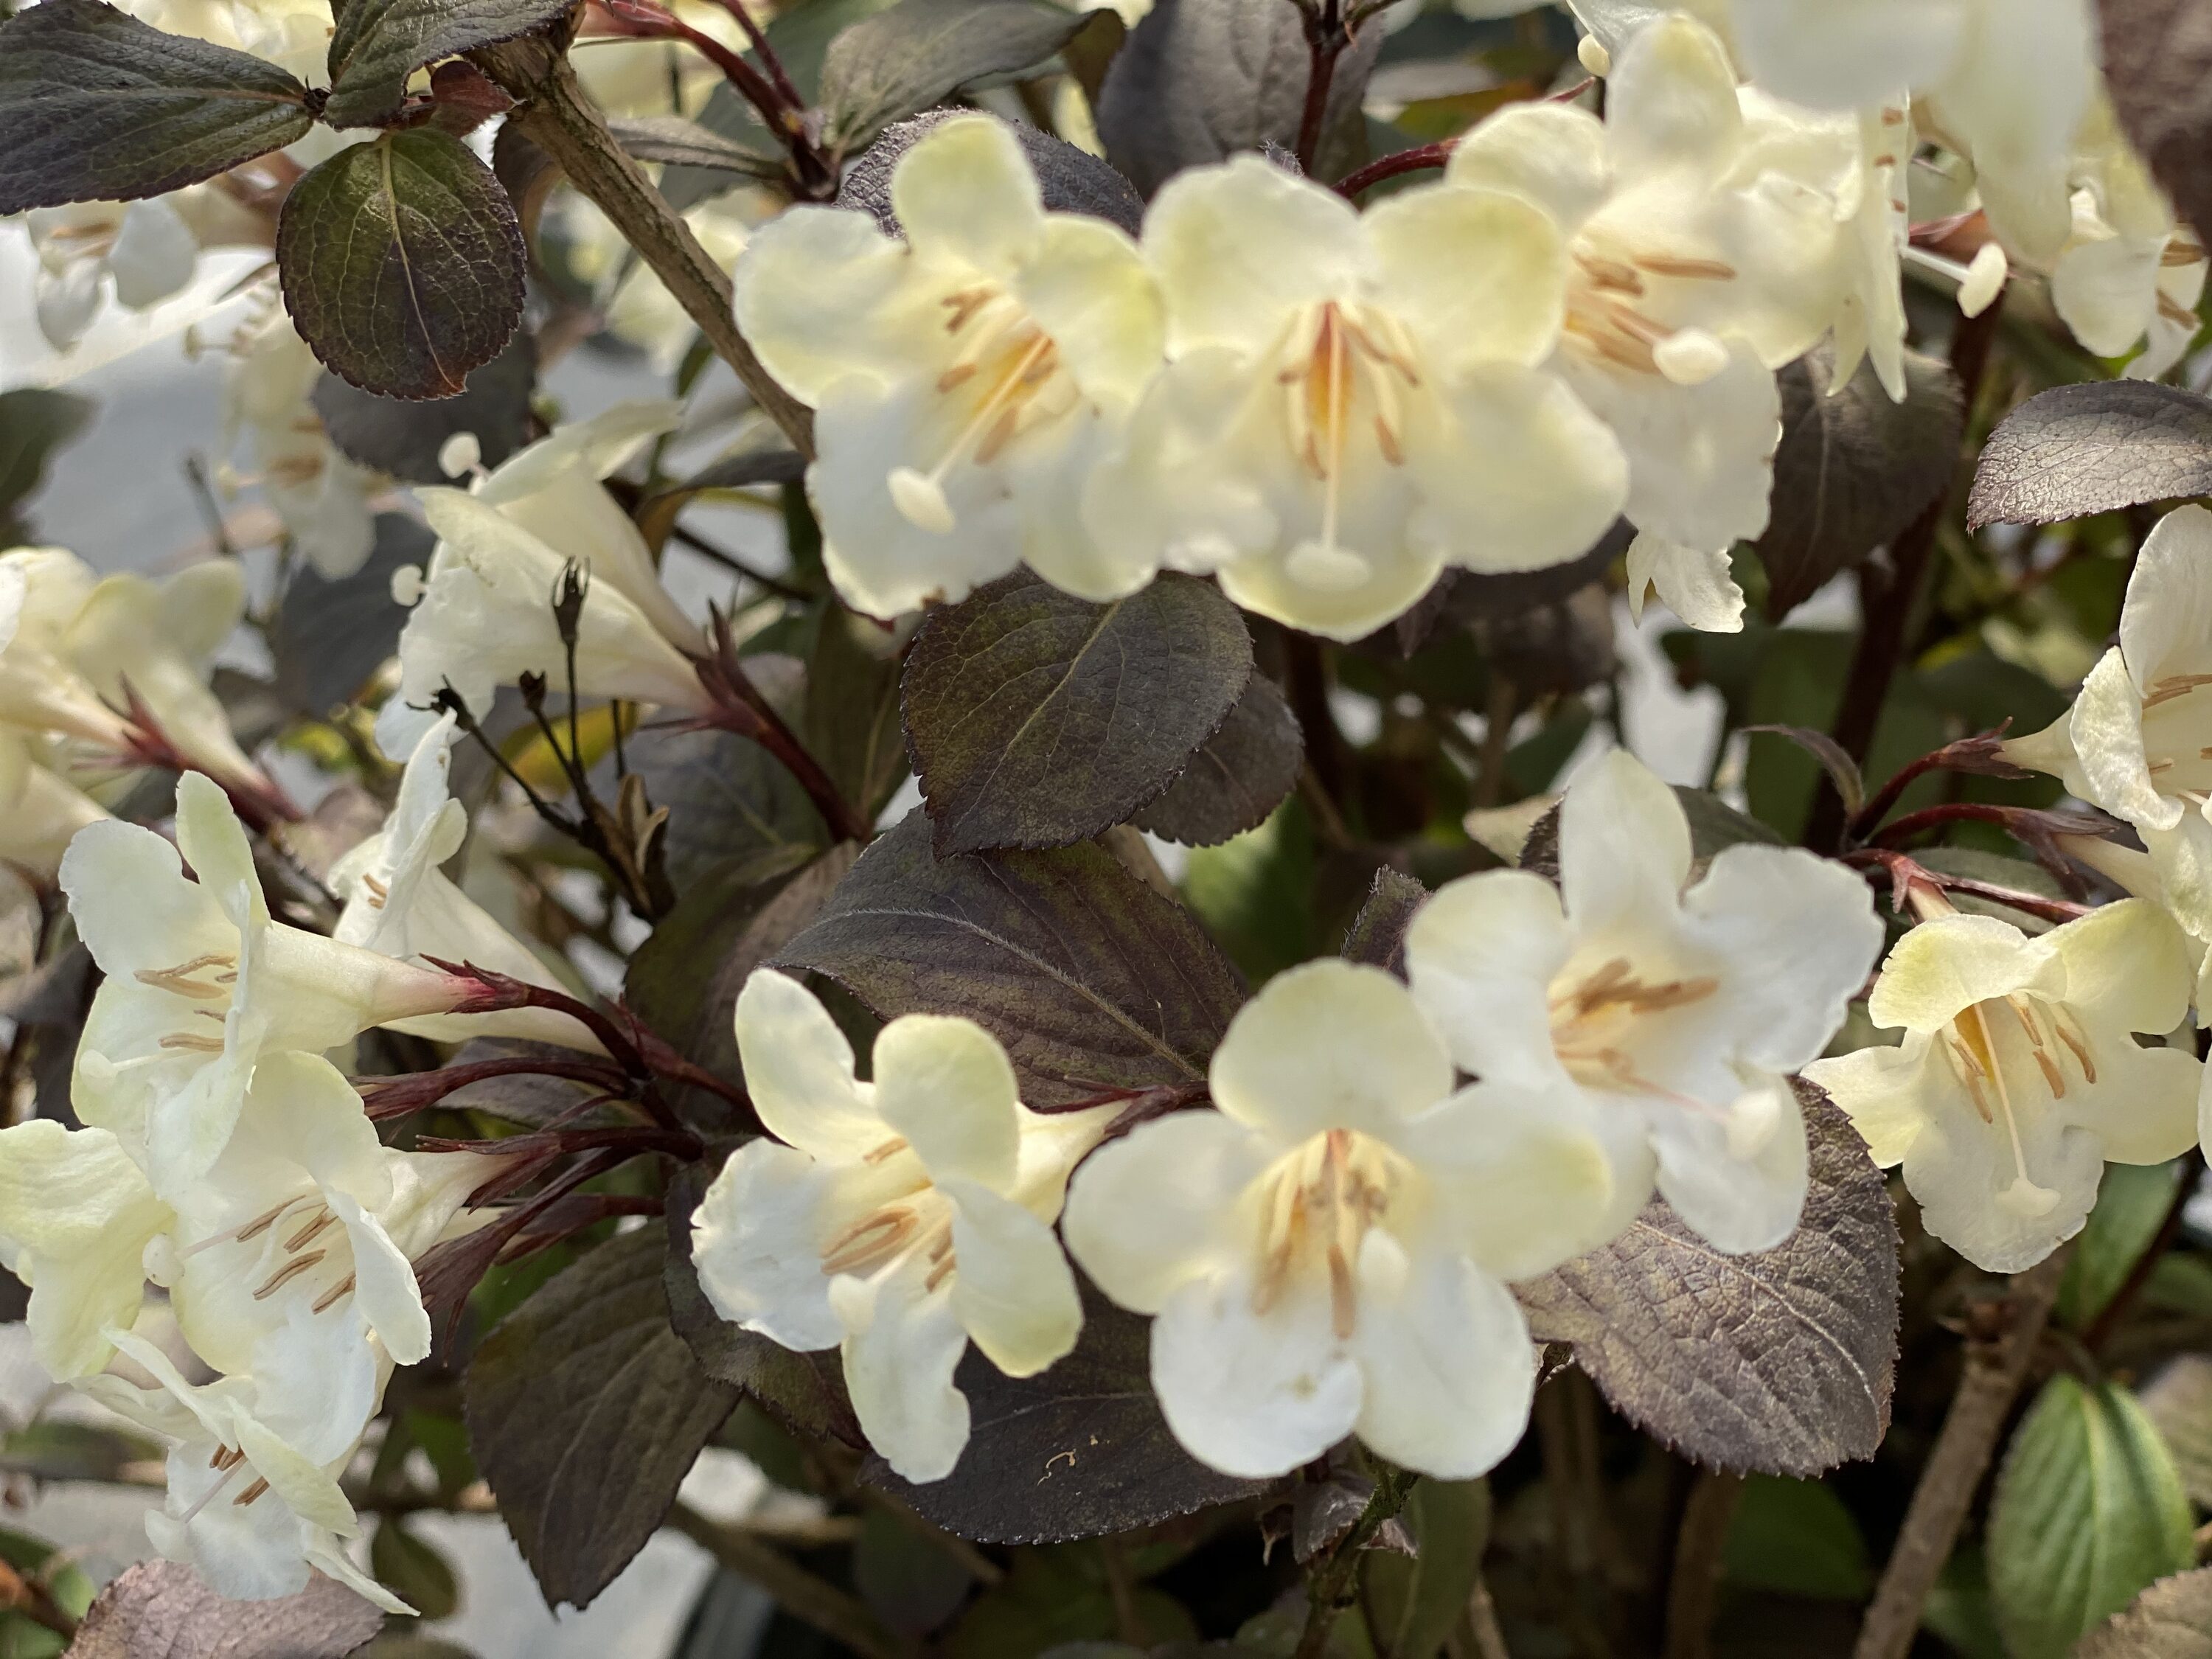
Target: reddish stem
1903,870
1326,39
740,708
770,61
396,1097
1981,755
1391,167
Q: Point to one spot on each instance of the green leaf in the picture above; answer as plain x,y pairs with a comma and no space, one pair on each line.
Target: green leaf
2172,1619
377,43
2076,450
1414,1605
2179,1400
1091,980
34,424
729,802
1854,468
50,1449
1781,1362
585,1411
413,1571
402,263
1377,934
1200,80
1237,777
1038,720
403,438
2132,1203
913,1582
1254,893
164,1607
2087,1512
920,52
1057,1601
332,634
1796,1537
94,105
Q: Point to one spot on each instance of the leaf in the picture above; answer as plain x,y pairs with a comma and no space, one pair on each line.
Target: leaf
403,438
585,1411
1036,719
2087,1512
1237,777
34,424
413,1570
1093,980
95,105
1854,468
2172,1619
1414,1605
920,52
1835,760
331,635
377,43
728,800
1254,893
162,1607
1056,1602
674,141
1377,934
1781,1362
2076,450
2179,1400
1200,80
52,1449
852,724
1078,1451
402,263
2157,63
913,1582
1070,180
1797,1538
2132,1206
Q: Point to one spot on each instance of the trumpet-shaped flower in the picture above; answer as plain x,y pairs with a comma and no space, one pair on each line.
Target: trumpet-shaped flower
2129,271
144,249
2138,740
39,810
399,903
965,381
41,589
1661,1015
200,982
1327,1253
485,610
899,1219
2020,1075
75,1216
254,1502
321,496
1354,401
1706,249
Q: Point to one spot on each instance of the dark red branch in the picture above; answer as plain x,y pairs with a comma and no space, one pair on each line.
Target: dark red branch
1982,754
395,1096
740,708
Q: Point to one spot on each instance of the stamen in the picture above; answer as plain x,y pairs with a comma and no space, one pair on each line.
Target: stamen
1669,265
251,1496
2173,686
202,1045
868,1240
378,892
321,1220
285,1275
261,1225
890,1149
332,1297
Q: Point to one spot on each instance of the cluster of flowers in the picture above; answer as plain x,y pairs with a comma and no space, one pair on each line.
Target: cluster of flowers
225,1158
1325,1248
1324,409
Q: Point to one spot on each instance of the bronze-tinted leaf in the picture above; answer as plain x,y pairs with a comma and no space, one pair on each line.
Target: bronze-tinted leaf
164,1608
405,439
2172,1619
2158,67
1781,1362
377,44
2076,450
1072,181
1237,776
1377,934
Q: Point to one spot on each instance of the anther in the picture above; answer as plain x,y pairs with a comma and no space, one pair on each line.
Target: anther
285,1275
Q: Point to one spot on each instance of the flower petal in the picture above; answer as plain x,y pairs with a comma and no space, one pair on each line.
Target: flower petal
757,1245
1553,154
1445,1358
1159,1206
1329,1045
799,1070
1624,850
1701,458
1012,1290
2126,965
1943,966
900,1349
1699,588
1090,289
1883,1090
822,294
966,192
948,1087
75,1216
1670,101
1740,1182
1477,275
1481,955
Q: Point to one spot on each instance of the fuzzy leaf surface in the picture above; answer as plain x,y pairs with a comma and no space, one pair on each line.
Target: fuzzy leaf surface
162,1610
2172,1619
2157,63
377,43
1036,719
920,52
2076,450
1237,776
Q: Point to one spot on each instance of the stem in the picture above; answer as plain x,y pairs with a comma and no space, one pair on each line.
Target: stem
776,74
1326,39
1352,184
740,708
1996,1366
556,116
1693,1586
841,1617
394,1096
1329,1591
1983,755
1885,613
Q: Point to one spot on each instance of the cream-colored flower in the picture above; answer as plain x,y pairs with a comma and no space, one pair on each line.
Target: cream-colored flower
965,381
201,983
483,610
898,1219
144,251
1660,1015
322,497
2138,740
39,810
41,590
254,1502
1706,248
1353,401
1326,1254
2129,271
2020,1075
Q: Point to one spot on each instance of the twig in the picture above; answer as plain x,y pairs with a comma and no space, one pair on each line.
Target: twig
837,1614
1326,39
1694,1585
1503,704
739,707
737,567
1995,1366
778,76
1329,1590
556,116
1888,612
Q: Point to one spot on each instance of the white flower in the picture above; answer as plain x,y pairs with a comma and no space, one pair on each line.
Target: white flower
1706,249
75,1216
2128,270
321,496
964,381
1662,1017
1325,1253
483,611
2135,742
1354,401
898,1219
145,247
200,982
399,903
39,810
41,590
254,1501
2020,1074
